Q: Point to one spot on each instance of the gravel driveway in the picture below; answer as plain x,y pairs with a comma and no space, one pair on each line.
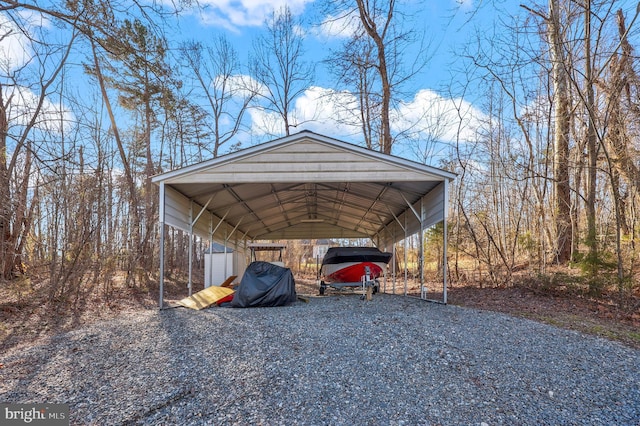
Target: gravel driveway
336,360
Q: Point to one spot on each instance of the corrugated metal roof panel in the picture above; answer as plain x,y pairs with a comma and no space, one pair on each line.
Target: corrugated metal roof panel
305,186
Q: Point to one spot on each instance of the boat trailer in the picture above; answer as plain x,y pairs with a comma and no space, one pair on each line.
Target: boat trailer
368,285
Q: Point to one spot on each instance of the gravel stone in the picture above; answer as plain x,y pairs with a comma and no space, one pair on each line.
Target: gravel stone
336,360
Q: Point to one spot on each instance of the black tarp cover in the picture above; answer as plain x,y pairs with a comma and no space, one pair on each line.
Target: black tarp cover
265,284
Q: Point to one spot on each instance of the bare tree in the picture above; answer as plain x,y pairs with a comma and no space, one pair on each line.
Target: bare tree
562,122
592,141
226,91
277,64
582,115
22,114
375,62
353,66
377,21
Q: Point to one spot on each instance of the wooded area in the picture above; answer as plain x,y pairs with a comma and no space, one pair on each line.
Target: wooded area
548,187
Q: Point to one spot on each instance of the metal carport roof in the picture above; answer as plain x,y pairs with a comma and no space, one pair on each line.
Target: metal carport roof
304,186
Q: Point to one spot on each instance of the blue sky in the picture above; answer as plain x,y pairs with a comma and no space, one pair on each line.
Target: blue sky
427,108
444,22
424,108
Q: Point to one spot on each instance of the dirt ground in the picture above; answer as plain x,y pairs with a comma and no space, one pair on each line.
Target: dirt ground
28,316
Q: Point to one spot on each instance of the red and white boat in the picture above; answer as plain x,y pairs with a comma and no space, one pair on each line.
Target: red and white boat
346,266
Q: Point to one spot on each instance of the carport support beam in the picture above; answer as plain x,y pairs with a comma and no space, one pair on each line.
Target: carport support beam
404,229
161,219
423,290
445,240
190,245
406,268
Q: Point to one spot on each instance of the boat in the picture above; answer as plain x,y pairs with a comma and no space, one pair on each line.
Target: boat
352,267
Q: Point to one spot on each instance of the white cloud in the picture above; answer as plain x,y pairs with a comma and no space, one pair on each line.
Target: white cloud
265,122
15,48
327,111
240,85
235,14
428,117
433,117
318,109
15,53
35,19
338,26
23,102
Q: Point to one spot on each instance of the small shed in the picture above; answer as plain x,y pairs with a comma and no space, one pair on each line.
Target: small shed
220,262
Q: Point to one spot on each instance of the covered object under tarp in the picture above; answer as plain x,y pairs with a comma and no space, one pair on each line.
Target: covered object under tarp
265,284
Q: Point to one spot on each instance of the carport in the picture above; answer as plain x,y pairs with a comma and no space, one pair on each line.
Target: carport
305,186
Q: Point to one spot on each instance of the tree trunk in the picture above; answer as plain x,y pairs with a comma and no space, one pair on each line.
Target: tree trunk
592,148
561,137
6,243
370,26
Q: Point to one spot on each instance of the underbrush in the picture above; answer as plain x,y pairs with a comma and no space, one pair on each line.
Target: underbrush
604,287
31,308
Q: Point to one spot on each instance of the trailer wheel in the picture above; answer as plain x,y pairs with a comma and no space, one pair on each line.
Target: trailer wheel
322,287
